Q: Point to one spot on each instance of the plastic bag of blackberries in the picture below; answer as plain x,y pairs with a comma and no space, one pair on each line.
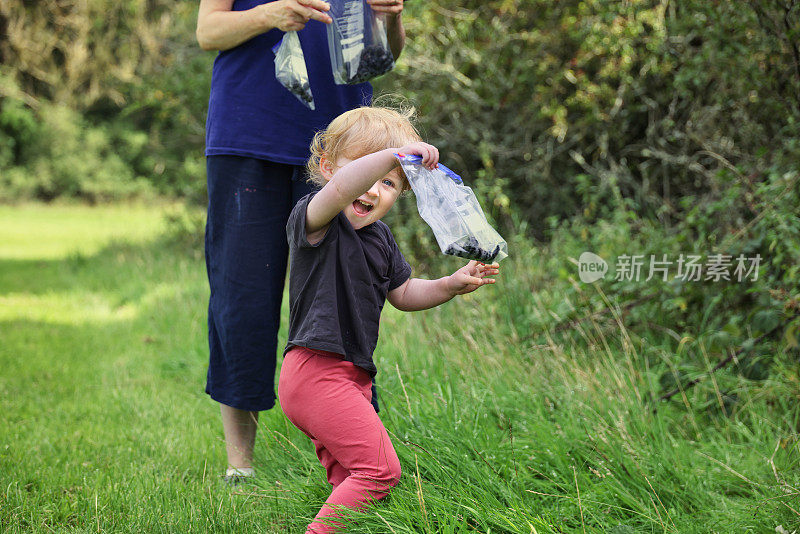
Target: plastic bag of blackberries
452,211
357,42
290,68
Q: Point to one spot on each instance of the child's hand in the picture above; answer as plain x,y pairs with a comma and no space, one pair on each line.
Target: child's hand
472,276
429,153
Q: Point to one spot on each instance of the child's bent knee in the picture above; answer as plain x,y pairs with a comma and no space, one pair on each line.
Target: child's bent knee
396,473
385,479
391,476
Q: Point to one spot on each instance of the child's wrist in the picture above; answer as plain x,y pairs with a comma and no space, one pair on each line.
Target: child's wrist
449,286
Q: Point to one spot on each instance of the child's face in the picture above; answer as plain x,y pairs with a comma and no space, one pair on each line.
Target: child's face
376,202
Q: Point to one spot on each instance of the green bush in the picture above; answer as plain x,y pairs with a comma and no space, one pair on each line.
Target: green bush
58,154
643,128
569,106
132,81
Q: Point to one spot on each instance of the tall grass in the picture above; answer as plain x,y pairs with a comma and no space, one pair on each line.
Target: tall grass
504,431
503,423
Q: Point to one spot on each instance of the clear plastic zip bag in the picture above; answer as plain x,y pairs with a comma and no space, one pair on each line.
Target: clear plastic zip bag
452,211
290,68
357,42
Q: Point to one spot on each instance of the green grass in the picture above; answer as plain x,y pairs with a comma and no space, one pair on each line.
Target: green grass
105,426
31,231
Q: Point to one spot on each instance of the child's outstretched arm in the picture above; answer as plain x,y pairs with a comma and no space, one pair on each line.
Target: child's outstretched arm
345,185
418,294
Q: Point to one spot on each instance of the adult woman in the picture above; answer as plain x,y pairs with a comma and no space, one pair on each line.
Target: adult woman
257,139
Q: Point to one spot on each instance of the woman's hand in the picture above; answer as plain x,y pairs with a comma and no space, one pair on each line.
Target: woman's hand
393,7
472,276
429,153
292,15
221,28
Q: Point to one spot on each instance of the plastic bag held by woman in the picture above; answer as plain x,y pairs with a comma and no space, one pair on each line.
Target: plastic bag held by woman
357,42
290,68
453,213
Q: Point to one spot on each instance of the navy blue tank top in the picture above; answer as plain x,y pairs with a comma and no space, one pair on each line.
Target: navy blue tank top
251,114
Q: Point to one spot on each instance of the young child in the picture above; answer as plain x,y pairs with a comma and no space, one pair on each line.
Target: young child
344,265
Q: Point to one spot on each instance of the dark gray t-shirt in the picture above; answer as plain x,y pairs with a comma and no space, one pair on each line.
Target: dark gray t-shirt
338,286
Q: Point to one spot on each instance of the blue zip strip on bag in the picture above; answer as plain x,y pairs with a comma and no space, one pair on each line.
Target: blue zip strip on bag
411,158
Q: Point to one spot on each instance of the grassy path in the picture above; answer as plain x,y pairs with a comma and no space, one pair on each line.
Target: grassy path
104,425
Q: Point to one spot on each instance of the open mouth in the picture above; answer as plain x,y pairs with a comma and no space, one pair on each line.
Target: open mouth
362,208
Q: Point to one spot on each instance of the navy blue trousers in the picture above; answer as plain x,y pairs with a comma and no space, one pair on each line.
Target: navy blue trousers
249,201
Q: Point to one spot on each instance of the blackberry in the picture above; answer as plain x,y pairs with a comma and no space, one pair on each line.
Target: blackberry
455,250
472,250
374,61
301,90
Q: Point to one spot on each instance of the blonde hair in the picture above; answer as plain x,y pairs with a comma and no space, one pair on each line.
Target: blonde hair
359,132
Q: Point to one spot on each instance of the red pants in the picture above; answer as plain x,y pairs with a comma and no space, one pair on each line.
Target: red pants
329,400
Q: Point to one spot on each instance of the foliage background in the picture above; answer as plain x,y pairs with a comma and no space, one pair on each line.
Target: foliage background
669,126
